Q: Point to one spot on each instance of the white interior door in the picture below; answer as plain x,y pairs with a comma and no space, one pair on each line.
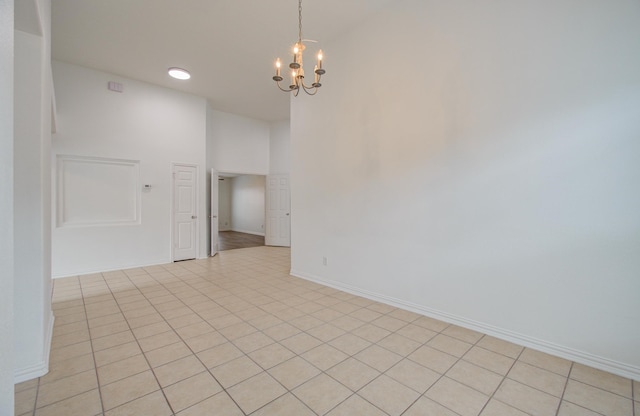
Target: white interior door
214,212
278,232
185,215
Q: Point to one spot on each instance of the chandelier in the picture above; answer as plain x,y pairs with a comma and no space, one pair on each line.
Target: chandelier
297,71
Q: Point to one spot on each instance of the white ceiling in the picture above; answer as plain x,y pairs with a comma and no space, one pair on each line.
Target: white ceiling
229,46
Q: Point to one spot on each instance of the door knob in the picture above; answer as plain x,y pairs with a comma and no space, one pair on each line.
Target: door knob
287,213
193,217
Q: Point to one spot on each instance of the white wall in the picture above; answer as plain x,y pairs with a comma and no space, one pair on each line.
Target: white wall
247,204
154,125
6,207
33,317
477,161
224,204
280,147
239,144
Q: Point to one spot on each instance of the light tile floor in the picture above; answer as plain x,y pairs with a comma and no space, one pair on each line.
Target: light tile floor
236,335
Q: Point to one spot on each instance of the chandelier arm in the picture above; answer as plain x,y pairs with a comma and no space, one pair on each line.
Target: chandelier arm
309,88
283,89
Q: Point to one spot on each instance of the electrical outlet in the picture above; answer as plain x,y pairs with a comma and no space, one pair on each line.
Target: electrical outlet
324,261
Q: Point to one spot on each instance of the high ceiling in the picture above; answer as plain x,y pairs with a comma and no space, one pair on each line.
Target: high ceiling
229,46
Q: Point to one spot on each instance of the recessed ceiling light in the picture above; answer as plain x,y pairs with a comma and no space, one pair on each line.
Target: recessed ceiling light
179,73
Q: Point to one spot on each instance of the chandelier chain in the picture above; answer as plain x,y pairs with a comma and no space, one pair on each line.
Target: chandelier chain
300,21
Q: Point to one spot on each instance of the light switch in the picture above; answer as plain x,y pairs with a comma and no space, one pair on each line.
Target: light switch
115,86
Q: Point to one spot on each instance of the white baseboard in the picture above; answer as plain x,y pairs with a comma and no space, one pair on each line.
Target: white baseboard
41,367
110,269
247,232
601,363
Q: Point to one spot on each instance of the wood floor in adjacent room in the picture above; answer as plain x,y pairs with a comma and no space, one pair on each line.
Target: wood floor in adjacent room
232,240
235,334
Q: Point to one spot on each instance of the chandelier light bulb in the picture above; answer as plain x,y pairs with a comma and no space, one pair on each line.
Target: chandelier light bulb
278,65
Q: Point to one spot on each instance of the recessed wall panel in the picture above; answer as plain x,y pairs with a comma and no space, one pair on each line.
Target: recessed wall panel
96,191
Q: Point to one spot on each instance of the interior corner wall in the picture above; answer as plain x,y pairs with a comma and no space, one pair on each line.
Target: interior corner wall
33,317
6,207
47,110
280,147
153,125
247,204
477,162
28,204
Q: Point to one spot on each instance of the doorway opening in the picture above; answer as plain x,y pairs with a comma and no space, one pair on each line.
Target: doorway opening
241,211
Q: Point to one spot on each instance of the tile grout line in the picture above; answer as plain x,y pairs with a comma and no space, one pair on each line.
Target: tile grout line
201,280
95,364
443,375
364,323
35,400
207,369
384,372
405,357
141,351
505,377
278,342
62,378
371,322
564,390
154,306
106,281
261,331
187,345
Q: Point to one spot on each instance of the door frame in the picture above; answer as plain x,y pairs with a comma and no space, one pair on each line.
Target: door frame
213,237
265,175
171,208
